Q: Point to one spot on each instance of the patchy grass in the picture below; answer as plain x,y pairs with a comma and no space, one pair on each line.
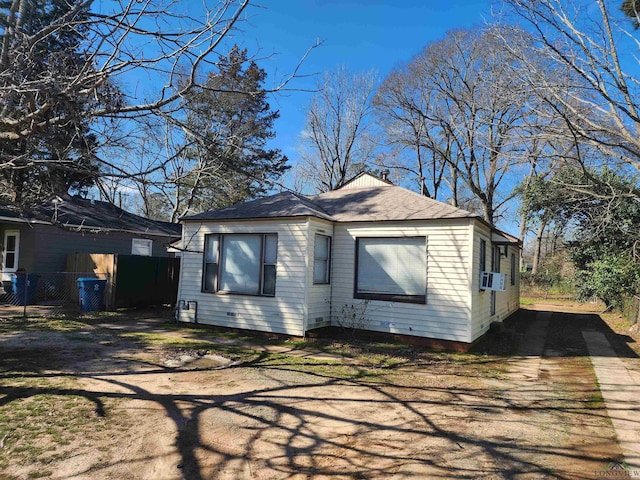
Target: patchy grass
42,417
59,324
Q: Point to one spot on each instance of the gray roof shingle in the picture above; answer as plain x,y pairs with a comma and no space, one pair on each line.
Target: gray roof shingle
388,203
384,203
93,215
285,204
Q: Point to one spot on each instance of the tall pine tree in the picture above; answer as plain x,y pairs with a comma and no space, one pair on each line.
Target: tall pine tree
230,122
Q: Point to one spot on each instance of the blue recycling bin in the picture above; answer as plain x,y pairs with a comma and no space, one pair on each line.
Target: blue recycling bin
91,292
24,288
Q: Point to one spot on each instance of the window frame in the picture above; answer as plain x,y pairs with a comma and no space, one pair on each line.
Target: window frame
148,242
15,251
219,265
513,269
389,297
326,261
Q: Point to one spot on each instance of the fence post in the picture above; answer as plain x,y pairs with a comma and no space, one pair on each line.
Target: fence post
24,308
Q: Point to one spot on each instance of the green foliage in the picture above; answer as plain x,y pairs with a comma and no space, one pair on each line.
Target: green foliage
603,211
234,121
611,278
631,9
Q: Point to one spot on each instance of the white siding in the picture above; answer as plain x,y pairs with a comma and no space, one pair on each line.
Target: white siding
284,313
364,181
319,296
506,302
447,312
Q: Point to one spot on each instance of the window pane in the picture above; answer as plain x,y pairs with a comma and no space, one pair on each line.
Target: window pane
11,243
395,266
321,247
269,280
321,257
270,249
210,272
240,263
141,246
211,249
10,260
320,271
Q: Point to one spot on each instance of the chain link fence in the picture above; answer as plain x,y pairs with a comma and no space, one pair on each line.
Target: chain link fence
632,310
52,289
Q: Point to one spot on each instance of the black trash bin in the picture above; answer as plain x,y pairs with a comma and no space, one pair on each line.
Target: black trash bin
24,288
91,292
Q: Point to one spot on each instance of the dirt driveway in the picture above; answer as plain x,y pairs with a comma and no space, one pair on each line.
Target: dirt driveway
133,398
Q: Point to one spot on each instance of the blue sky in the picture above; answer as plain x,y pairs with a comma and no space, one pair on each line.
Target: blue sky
362,35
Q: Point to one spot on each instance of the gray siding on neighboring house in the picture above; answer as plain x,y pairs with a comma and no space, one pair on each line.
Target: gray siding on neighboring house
44,248
283,313
53,244
447,311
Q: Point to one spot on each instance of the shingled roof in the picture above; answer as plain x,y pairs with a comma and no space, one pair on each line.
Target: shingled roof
388,203
285,204
382,203
91,215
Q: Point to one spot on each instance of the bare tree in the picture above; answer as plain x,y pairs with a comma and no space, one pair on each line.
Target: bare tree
84,67
591,40
464,113
402,104
336,142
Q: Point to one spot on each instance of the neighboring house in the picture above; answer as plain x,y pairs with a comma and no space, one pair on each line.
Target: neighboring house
407,264
39,240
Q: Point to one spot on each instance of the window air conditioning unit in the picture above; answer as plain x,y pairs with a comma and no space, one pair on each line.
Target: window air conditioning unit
493,281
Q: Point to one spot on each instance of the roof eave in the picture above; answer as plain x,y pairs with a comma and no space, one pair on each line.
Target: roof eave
245,219
28,221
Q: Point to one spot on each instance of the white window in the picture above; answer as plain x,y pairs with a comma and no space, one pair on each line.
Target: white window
10,251
141,246
321,259
240,263
393,269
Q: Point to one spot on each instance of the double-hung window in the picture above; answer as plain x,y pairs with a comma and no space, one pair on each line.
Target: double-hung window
10,253
392,269
321,259
240,263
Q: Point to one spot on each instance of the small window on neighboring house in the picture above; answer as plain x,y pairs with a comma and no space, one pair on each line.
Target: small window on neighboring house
391,269
513,269
321,259
141,246
10,251
240,263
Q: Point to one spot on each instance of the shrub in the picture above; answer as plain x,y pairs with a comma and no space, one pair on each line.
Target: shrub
611,278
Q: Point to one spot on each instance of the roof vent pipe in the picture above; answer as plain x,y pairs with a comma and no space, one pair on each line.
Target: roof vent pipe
384,174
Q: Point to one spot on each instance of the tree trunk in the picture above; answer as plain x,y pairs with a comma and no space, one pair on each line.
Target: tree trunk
523,232
538,248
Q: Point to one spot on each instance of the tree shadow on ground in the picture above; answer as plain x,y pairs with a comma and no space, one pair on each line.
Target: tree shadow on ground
439,419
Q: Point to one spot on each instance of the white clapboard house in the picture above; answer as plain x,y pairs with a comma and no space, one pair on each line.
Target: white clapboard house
387,258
